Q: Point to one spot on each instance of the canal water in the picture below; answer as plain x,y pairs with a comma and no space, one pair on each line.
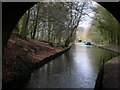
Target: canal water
77,68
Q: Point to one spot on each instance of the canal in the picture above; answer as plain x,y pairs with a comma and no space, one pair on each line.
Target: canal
77,68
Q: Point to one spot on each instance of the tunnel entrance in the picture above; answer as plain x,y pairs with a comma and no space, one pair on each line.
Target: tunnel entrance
18,9
28,46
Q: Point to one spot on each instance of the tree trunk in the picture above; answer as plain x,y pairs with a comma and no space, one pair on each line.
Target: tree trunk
36,22
25,24
74,27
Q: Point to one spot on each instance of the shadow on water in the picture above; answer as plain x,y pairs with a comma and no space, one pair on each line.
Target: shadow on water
77,68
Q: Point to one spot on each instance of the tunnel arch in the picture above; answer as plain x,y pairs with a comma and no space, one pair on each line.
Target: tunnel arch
12,12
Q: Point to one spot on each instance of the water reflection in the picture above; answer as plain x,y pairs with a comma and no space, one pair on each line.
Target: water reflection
77,68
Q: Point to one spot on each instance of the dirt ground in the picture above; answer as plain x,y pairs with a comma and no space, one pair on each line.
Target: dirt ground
19,55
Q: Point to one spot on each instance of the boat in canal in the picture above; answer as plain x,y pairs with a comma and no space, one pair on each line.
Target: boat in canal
87,43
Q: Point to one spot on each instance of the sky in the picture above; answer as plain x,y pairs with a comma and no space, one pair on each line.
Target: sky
86,23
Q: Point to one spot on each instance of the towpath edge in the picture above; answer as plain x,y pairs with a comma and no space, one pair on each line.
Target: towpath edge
110,73
40,63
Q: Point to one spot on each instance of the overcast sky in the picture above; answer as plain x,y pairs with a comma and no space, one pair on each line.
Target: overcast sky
86,23
87,20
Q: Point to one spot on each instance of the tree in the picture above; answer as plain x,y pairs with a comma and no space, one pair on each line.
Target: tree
36,21
54,22
108,26
24,26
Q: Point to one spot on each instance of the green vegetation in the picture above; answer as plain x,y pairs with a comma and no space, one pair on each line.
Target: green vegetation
105,28
52,22
57,22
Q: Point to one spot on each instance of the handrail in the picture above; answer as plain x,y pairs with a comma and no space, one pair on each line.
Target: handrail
98,84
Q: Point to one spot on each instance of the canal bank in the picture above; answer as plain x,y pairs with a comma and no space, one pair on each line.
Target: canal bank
19,82
111,70
109,76
77,68
115,49
40,63
22,57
